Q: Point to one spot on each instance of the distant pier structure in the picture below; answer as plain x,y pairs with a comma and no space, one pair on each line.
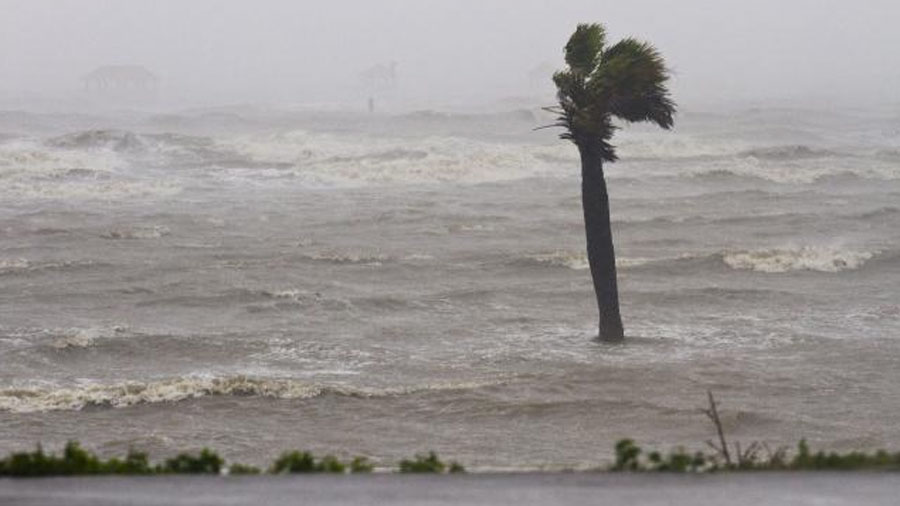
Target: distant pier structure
119,78
379,81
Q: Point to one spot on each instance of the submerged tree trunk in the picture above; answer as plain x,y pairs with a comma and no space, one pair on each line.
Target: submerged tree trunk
601,255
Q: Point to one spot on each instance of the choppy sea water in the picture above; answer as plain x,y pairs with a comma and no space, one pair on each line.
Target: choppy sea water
258,279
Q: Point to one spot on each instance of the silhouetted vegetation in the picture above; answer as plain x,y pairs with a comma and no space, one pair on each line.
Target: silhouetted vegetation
77,461
330,464
134,463
74,461
305,462
456,468
294,462
207,462
880,460
239,469
360,465
429,463
755,456
629,457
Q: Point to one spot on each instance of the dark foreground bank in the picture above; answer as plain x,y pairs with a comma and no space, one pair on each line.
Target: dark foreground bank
536,489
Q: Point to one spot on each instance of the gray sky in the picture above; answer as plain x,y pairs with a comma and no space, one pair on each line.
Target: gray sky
301,51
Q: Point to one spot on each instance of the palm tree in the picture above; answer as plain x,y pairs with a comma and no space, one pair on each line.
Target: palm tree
626,81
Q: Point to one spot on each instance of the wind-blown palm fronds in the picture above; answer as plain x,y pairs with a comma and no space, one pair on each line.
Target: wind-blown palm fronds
626,81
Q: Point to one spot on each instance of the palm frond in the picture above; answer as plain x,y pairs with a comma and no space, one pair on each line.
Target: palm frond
585,47
585,120
631,77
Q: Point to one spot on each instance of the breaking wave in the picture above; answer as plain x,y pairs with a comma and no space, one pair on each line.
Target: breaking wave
103,163
31,169
28,157
331,160
131,393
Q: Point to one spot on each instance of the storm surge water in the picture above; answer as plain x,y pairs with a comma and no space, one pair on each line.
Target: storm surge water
257,279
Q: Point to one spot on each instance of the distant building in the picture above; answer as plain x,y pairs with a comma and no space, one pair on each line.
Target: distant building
121,77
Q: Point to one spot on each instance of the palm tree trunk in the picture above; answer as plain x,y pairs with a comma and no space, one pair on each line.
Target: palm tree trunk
600,252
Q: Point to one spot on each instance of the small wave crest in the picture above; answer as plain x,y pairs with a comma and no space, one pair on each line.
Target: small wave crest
16,266
880,213
79,338
579,261
131,393
652,146
889,154
789,152
114,140
13,265
348,257
126,142
668,147
67,338
138,232
83,337
751,169
306,298
808,258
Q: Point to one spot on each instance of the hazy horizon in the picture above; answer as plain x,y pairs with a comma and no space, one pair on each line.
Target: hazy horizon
459,53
